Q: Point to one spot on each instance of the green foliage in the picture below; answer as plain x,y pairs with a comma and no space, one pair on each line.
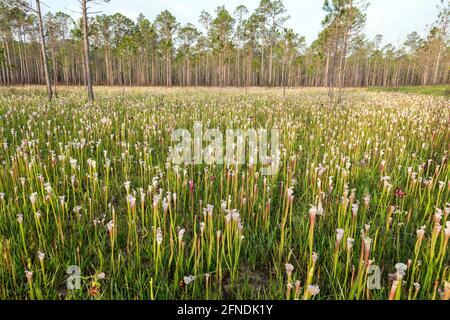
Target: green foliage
427,90
167,26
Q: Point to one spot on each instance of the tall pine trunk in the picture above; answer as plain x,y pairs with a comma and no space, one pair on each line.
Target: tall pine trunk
43,52
87,68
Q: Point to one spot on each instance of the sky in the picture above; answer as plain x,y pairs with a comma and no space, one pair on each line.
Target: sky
394,19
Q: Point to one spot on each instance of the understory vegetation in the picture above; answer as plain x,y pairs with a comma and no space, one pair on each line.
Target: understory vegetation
358,209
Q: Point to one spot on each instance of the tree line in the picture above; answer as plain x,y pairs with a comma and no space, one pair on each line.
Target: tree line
238,48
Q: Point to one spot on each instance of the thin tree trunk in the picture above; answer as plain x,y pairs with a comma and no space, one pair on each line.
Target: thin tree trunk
331,84
87,68
262,66
425,73
343,62
270,64
327,67
436,67
43,51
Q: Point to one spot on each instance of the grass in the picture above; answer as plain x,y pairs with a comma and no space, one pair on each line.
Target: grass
362,187
441,90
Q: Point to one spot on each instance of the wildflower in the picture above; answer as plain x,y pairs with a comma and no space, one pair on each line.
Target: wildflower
437,228
289,268
355,208
91,163
235,215
223,205
401,270
350,242
421,232
315,256
408,264
73,163
127,186
48,188
319,209
289,287
33,198
366,201
156,201
437,216
290,195
29,275
367,242
188,279
447,230
228,217
399,193
101,276
446,211
386,184
94,289
41,256
339,236
191,186
155,181
131,201
409,170
110,226
20,218
313,290
312,214
159,236
209,209
181,234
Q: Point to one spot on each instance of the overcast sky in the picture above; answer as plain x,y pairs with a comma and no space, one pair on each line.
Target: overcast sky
394,19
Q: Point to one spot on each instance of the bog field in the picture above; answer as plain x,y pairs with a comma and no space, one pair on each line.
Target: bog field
93,205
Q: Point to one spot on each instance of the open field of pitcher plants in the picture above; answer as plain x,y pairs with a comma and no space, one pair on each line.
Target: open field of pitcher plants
92,207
